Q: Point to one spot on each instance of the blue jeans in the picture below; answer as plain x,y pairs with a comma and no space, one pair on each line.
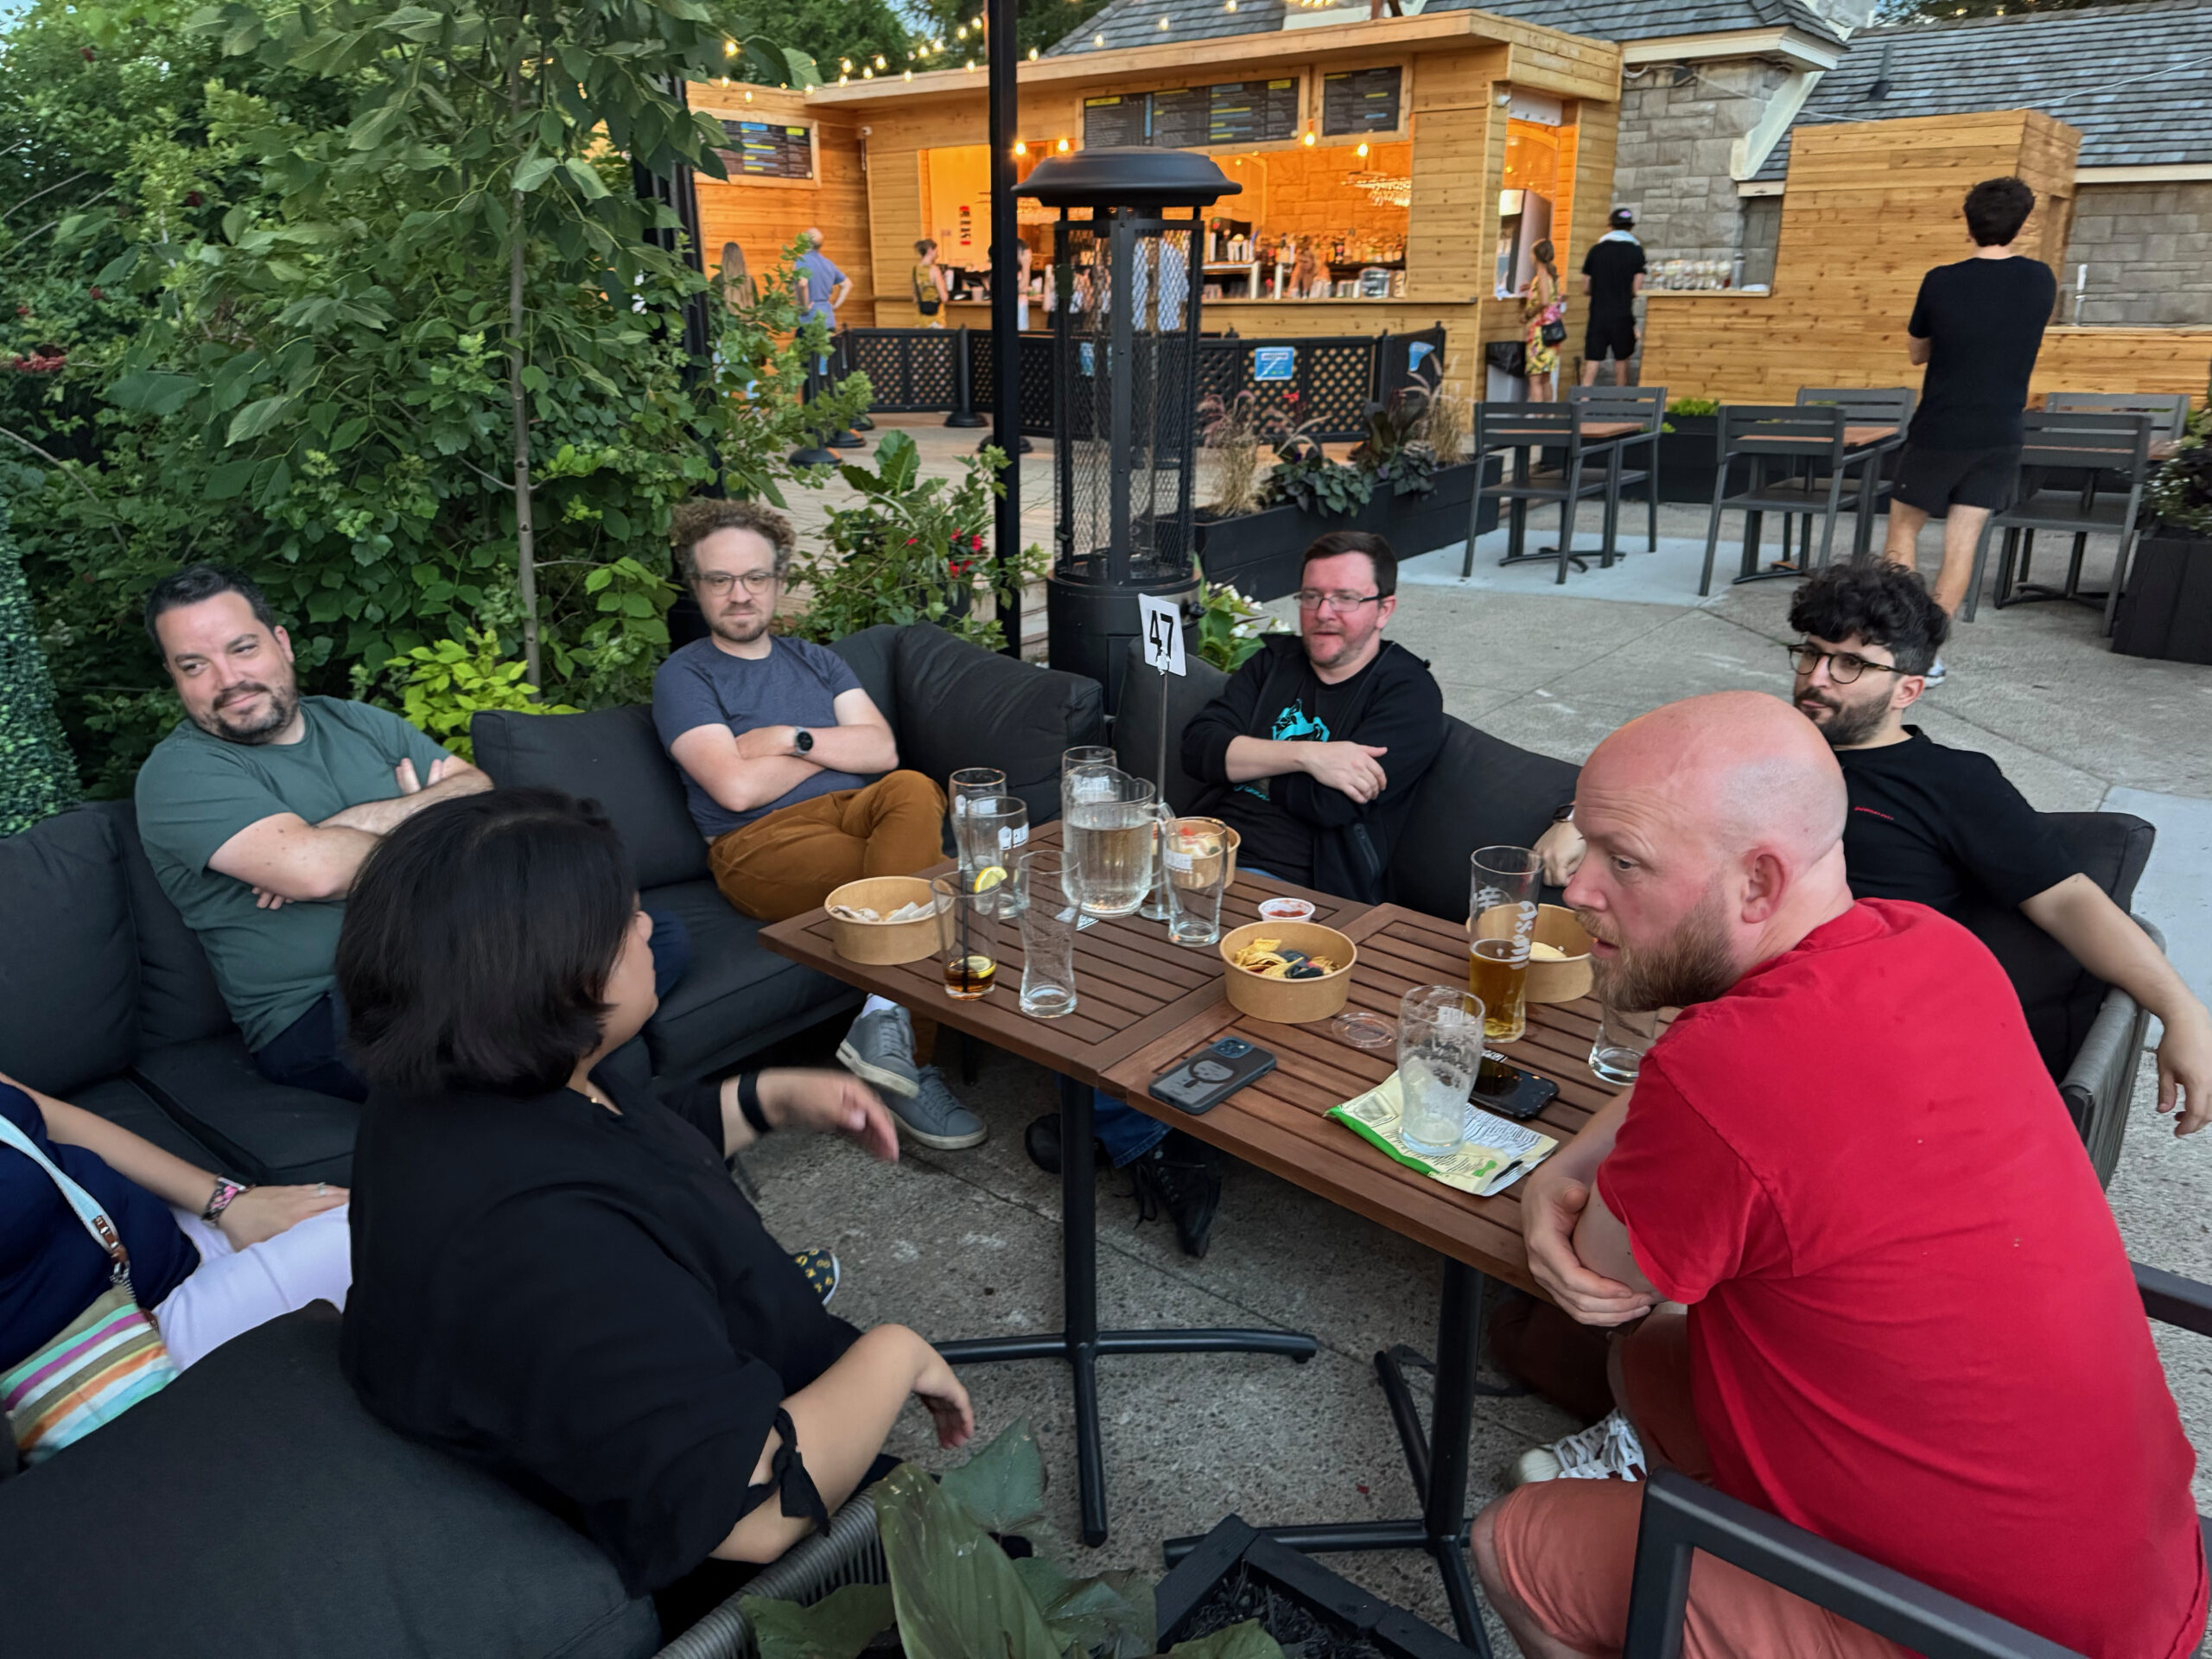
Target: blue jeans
1127,1132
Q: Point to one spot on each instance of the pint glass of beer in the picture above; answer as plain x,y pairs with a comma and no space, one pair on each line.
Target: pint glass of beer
1501,925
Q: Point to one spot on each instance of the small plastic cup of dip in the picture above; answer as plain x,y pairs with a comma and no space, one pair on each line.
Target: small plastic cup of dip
1286,909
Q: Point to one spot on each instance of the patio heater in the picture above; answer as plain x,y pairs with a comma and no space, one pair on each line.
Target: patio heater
1125,391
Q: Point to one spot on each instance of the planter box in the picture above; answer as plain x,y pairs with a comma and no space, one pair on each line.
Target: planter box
1234,1559
2166,610
1421,524
1686,456
1258,553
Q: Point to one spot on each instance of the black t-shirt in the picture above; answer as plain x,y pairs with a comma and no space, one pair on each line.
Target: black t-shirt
1933,824
1612,266
1984,319
583,1303
1393,703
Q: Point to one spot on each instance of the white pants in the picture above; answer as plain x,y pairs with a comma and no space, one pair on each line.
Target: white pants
232,1291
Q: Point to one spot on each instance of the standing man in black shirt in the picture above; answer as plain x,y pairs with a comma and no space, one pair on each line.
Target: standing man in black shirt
1613,275
1930,824
1977,327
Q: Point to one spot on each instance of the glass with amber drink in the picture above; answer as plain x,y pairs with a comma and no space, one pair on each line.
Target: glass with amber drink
967,924
1501,926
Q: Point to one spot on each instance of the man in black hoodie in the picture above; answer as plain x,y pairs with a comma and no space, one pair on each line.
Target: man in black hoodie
1316,744
1313,751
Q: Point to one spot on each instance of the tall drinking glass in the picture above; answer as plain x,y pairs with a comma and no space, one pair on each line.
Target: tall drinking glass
1501,926
969,783
1159,903
1049,915
1440,1050
967,936
1109,841
997,829
1087,754
1194,856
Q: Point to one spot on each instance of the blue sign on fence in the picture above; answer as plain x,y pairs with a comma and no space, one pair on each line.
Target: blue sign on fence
1090,361
1417,355
1274,362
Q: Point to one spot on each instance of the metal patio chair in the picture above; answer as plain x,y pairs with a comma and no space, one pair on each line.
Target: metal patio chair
1801,460
1864,408
2111,450
1528,428
1681,1516
1647,407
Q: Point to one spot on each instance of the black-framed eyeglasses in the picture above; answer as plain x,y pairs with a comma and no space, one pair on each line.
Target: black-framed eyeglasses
1308,599
1844,666
718,582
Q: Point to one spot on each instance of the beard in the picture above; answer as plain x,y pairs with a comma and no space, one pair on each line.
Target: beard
283,704
1692,964
740,630
1847,723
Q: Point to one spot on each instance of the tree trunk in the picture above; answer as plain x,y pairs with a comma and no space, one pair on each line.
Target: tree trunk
518,400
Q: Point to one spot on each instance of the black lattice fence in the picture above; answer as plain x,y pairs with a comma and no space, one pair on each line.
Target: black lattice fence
910,370
1320,384
1036,379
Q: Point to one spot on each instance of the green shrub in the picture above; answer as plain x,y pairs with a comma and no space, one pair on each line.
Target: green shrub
37,776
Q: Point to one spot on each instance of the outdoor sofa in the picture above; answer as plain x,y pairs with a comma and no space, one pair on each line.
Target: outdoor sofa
107,1001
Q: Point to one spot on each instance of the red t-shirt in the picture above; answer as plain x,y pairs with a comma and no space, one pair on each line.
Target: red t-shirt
1913,1328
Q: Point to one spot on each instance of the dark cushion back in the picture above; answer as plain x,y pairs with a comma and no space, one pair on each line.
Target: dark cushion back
1482,791
269,1515
68,964
1136,723
959,705
873,655
610,755
2059,995
178,998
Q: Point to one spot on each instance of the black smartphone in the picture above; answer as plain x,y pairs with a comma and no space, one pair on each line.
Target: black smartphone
1505,1089
1206,1079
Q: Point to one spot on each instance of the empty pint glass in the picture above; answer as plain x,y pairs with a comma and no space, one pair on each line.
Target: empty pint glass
964,787
1501,926
1048,923
1440,1050
1109,840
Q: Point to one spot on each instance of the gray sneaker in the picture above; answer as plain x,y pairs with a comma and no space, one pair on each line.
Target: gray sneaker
935,1117
880,1048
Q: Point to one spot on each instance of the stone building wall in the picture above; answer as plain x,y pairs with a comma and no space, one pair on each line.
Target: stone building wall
2149,250
1676,144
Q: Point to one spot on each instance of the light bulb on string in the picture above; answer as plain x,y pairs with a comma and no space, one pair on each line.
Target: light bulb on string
1063,146
1308,140
880,63
909,75
1021,149
1361,151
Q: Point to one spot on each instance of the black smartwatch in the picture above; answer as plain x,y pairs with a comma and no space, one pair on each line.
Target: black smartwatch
802,741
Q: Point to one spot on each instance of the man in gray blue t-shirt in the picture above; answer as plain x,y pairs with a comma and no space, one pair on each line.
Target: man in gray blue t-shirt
777,742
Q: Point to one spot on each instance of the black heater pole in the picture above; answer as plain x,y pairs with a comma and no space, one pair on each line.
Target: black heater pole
1004,58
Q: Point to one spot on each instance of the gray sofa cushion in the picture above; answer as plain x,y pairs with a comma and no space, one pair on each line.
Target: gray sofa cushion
261,1131
178,998
1136,729
1482,792
123,1102
68,960
610,755
737,997
252,1509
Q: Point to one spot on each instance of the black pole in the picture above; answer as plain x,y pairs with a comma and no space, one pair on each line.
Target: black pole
1003,46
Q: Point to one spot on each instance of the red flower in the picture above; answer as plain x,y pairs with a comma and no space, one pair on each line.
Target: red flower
22,310
98,294
86,52
192,198
976,542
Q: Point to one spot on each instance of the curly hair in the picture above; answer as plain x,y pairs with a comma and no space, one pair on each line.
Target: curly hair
696,520
1877,604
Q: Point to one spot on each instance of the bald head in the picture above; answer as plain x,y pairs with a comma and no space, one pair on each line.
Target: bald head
1715,828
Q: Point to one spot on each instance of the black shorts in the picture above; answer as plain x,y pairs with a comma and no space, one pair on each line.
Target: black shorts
1933,480
1614,334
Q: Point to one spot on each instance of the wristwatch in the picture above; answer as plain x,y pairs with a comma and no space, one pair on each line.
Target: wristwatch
225,1193
802,741
1563,814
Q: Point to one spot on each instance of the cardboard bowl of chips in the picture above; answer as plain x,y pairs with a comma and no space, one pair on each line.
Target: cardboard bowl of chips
882,941
1559,958
1260,981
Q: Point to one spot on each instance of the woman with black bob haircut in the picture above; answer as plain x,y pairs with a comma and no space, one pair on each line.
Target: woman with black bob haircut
558,1279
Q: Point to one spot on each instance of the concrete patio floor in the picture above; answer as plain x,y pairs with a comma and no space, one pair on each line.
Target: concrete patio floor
967,1244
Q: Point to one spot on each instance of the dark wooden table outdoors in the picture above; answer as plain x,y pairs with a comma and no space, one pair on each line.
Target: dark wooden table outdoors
1278,1123
1132,988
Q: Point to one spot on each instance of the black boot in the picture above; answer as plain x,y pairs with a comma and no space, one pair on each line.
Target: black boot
1041,1140
1182,1179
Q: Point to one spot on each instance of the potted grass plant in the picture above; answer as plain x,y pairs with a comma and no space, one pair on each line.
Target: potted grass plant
1687,448
1244,537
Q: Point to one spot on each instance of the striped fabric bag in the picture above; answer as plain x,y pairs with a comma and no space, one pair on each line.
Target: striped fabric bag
110,1357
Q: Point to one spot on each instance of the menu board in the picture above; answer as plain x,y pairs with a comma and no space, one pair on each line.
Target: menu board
769,150
1360,101
1181,119
1113,121
1251,112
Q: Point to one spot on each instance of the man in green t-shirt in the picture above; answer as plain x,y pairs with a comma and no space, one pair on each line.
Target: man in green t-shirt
258,808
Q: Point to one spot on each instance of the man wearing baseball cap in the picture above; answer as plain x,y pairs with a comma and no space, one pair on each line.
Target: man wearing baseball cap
1613,275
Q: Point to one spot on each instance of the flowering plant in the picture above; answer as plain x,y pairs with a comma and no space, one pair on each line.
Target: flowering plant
1230,627
914,550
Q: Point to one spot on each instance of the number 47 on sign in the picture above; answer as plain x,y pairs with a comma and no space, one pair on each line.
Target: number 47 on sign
1163,633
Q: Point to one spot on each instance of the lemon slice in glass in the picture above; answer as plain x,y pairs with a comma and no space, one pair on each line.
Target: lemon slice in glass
989,877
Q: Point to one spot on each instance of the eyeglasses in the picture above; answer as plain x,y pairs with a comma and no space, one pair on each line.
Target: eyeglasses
718,582
1844,667
1309,600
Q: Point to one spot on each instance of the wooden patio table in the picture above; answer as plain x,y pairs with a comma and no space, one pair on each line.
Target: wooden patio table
1131,987
1278,1123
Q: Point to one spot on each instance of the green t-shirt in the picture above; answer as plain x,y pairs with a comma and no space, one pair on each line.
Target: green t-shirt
196,791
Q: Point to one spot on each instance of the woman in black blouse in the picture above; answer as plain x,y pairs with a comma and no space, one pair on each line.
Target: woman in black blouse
563,1283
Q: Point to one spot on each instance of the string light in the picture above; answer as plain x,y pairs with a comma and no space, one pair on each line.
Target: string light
909,75
1032,54
845,64
880,63
729,48
748,98
1361,151
1098,40
970,64
1021,149
1163,23
867,74
1063,146
843,79
1308,139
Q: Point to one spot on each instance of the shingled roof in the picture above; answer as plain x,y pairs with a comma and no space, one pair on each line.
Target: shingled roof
2136,79
1136,22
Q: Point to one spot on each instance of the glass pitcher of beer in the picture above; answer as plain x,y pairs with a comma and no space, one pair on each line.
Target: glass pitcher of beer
1501,926
1109,840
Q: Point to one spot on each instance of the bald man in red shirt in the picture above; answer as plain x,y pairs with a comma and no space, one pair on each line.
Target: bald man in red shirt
1877,1290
